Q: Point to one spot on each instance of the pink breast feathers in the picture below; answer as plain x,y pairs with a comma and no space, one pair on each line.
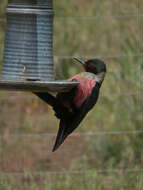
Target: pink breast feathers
84,89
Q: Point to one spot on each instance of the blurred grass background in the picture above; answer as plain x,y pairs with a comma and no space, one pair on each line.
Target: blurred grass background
111,30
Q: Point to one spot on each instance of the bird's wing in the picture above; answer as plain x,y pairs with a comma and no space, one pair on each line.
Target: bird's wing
74,99
69,124
46,97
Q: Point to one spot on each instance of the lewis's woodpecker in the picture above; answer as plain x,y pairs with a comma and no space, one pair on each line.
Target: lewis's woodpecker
71,107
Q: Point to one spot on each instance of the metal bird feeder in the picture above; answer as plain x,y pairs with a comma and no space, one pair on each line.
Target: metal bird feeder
28,54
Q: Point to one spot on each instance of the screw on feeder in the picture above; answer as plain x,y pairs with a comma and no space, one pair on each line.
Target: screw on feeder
24,69
28,54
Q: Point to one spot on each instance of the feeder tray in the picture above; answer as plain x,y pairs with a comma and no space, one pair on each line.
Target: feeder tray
28,54
37,86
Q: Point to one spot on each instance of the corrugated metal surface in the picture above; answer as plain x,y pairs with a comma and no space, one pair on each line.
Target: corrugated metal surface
28,45
31,2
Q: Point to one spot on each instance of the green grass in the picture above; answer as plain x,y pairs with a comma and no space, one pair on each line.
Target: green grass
89,181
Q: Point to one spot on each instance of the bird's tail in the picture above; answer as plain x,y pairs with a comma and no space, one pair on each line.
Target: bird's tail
67,125
62,134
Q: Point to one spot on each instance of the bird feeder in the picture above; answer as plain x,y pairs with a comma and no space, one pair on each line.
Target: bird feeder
28,53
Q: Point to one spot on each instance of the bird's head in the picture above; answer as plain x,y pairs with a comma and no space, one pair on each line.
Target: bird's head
95,66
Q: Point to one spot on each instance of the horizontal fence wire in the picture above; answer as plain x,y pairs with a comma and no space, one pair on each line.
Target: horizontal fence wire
78,18
123,170
100,56
15,97
98,133
68,57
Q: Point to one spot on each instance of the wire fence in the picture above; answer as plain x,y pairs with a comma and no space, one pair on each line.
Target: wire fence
93,19
16,97
77,18
28,173
98,133
109,171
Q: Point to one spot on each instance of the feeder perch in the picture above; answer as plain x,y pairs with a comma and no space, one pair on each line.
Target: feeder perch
28,54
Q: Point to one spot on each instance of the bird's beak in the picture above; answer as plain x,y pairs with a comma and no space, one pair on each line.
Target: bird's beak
79,60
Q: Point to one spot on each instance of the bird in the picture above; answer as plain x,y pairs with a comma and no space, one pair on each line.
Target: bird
72,107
